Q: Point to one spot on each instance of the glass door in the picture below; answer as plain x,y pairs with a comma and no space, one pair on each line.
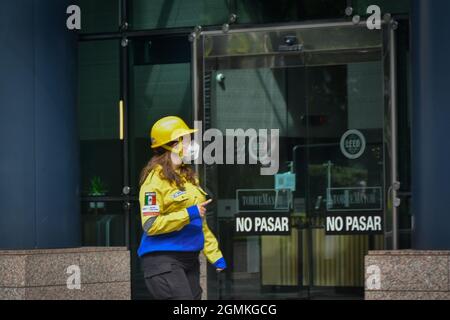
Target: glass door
323,87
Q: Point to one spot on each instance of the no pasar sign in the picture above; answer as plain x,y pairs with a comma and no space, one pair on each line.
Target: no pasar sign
354,224
263,224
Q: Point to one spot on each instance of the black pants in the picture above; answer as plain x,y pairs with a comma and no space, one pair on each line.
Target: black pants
172,275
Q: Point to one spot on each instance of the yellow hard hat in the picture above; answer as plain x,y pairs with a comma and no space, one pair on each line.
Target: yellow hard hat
168,129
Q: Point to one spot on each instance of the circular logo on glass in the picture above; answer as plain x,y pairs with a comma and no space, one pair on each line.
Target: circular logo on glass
353,144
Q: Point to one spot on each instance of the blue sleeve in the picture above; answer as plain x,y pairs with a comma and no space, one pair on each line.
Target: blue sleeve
193,212
220,263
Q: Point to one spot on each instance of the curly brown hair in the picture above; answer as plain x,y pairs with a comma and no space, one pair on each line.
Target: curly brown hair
162,158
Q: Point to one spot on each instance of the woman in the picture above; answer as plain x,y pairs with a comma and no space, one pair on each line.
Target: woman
173,208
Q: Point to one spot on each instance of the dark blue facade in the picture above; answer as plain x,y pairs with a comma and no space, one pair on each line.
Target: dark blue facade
39,162
431,124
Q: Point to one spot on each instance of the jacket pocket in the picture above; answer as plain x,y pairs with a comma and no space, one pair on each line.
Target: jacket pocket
175,203
181,198
175,197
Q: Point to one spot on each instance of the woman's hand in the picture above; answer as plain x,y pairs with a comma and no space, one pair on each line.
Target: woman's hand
202,207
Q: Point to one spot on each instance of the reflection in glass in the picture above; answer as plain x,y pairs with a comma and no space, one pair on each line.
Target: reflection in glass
99,15
157,14
102,224
98,118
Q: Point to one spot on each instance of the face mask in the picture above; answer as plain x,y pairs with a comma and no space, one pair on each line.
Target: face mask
191,152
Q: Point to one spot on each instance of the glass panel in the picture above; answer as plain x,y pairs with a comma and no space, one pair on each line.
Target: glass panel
158,91
345,97
256,11
256,262
102,224
315,42
99,15
158,14
160,86
314,96
98,113
386,6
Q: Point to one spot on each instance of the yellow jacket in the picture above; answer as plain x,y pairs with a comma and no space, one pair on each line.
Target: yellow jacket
171,220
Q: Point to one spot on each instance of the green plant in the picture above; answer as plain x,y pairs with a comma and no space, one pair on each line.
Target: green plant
97,187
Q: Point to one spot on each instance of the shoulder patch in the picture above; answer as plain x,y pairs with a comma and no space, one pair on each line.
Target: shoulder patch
150,210
150,199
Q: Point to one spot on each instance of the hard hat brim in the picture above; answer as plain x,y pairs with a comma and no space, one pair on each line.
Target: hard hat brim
180,134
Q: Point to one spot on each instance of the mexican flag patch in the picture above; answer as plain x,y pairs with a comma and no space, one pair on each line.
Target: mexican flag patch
150,199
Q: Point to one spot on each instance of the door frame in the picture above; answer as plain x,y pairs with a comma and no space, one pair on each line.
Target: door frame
390,141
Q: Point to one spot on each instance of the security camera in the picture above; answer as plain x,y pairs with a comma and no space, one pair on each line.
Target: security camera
290,40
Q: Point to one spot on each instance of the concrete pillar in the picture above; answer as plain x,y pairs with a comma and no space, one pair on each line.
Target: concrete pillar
39,162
